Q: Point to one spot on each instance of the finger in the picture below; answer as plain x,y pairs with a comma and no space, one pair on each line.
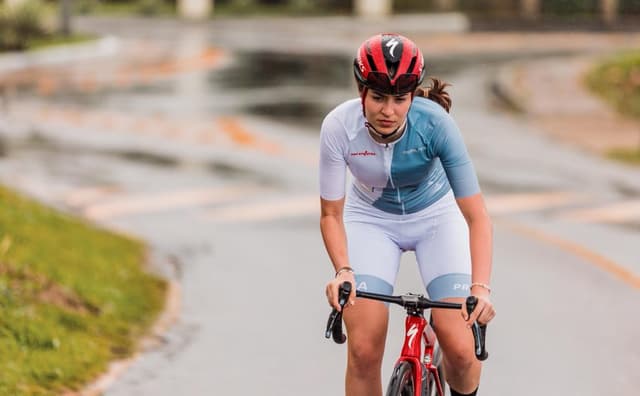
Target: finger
464,313
332,298
473,316
488,315
352,296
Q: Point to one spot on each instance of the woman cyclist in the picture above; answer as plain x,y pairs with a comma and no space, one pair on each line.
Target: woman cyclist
414,188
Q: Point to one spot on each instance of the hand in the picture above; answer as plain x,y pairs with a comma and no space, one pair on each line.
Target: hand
483,312
333,286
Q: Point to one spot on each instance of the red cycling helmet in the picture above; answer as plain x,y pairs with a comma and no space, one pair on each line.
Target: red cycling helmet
390,64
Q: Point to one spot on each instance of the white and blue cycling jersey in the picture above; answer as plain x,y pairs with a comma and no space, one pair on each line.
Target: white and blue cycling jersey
402,177
399,187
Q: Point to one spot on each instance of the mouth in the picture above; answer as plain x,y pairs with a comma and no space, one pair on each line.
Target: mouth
386,123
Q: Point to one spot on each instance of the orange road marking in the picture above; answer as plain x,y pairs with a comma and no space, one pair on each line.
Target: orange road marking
239,135
590,256
616,213
46,86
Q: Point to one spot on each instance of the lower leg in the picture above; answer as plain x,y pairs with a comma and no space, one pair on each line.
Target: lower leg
461,368
462,374
363,380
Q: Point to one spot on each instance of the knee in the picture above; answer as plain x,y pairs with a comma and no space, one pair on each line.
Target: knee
365,358
459,359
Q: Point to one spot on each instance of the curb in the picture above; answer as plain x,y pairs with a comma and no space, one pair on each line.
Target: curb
502,88
117,368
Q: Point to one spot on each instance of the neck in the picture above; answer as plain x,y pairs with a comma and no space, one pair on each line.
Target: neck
385,137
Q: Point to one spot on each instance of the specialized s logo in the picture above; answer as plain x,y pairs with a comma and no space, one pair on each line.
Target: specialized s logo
392,44
412,334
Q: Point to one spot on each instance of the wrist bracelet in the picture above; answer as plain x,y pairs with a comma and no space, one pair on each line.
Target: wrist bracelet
482,285
343,269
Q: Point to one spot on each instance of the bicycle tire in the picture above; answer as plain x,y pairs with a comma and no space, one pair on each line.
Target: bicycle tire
401,383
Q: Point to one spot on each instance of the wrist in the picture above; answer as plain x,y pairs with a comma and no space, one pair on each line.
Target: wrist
482,288
344,270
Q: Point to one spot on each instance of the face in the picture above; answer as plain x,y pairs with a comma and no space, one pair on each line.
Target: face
386,112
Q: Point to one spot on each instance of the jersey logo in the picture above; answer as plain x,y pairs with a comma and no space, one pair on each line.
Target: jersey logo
392,44
364,153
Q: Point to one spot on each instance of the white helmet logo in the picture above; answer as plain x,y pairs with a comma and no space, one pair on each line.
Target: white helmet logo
391,44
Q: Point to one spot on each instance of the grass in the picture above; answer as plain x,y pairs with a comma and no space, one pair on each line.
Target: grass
630,156
72,298
55,40
617,81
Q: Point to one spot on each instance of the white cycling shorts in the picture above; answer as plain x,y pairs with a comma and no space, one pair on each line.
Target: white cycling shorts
438,235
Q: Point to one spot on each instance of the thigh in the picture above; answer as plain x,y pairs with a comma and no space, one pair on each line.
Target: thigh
454,337
374,257
444,257
366,322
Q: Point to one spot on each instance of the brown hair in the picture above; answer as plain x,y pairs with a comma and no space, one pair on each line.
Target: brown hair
436,92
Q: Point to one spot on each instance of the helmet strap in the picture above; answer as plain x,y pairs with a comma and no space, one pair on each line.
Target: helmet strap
386,137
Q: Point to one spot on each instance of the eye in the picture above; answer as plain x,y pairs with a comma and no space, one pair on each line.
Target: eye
401,99
377,98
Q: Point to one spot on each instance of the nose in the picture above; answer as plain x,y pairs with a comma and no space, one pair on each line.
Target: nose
387,107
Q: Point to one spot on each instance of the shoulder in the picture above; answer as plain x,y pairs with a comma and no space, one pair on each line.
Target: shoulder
427,113
345,119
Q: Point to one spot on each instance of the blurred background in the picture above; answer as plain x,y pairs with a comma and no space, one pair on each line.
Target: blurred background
159,204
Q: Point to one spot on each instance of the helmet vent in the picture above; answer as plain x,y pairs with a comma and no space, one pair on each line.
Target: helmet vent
372,62
412,64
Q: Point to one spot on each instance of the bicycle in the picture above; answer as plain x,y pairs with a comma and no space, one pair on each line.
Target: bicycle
417,371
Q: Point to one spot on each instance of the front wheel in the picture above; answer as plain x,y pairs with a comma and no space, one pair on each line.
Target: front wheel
401,383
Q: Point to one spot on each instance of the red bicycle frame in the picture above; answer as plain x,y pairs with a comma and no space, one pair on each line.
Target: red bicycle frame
417,328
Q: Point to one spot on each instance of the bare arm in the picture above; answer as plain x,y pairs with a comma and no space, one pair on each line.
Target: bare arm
335,241
481,244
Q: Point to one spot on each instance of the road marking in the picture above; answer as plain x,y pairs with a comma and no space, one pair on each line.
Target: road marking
243,137
619,212
157,202
265,211
590,256
523,202
87,195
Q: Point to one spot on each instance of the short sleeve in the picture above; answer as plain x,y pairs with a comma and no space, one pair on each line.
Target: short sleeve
333,166
450,148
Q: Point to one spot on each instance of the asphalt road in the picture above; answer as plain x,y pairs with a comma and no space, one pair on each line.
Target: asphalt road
231,213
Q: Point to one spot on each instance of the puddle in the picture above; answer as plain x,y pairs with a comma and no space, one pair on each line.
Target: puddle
273,69
307,114
147,158
230,171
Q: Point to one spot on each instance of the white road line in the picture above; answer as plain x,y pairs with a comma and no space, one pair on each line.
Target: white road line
615,213
85,196
524,202
265,211
157,202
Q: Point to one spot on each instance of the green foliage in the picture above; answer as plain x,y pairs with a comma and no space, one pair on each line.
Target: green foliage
617,80
20,24
72,298
150,7
630,156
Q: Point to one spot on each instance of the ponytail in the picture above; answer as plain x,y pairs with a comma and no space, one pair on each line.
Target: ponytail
436,92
